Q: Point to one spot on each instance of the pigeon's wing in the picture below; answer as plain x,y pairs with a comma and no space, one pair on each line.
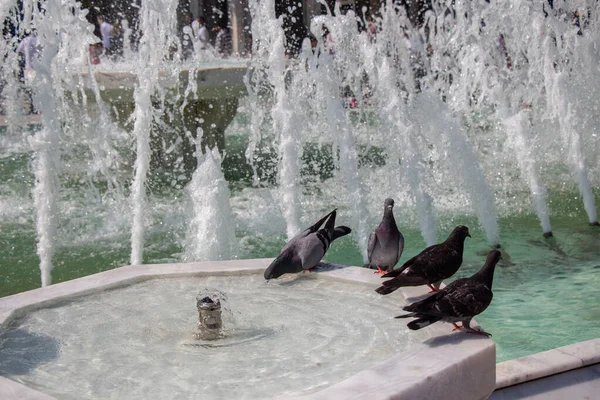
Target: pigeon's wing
400,247
311,250
371,245
425,304
466,300
409,263
293,241
436,263
396,272
311,229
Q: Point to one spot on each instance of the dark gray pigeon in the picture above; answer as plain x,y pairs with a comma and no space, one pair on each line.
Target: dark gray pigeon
460,301
432,265
386,243
306,249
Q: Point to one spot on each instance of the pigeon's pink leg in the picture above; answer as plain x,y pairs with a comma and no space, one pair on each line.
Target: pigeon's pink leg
470,330
433,289
478,332
457,327
379,270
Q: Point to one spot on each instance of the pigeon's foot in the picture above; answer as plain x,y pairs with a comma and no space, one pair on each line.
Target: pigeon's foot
379,271
478,332
433,289
468,329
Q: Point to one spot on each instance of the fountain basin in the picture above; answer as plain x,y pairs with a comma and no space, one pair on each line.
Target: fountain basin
439,364
212,82
207,94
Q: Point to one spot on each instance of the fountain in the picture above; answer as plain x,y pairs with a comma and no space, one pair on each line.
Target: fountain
481,114
128,332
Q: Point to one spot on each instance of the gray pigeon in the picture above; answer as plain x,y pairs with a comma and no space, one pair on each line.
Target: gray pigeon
432,265
306,249
460,301
386,243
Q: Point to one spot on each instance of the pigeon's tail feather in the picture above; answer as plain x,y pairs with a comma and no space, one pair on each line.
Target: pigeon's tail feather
315,227
330,223
340,231
386,289
394,273
425,304
398,282
418,306
422,322
412,314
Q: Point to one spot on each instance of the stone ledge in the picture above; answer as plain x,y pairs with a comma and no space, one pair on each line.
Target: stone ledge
14,390
547,363
580,383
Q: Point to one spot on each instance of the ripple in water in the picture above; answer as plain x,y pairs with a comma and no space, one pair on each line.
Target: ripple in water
295,335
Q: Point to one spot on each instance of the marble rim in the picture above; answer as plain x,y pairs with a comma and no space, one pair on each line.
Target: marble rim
425,371
547,363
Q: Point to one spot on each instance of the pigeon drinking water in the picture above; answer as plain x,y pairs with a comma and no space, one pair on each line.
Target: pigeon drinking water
460,301
306,249
386,243
432,265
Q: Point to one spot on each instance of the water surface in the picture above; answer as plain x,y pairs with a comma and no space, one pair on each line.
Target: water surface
295,335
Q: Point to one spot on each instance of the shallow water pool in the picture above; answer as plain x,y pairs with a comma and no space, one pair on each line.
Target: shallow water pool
295,335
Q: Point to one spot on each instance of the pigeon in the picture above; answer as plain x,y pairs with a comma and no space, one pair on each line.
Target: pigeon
432,265
460,301
386,243
305,250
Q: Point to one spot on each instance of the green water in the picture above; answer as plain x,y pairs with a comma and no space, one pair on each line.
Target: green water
546,291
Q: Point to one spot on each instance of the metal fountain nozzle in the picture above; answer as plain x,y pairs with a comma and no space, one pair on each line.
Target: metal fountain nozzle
210,323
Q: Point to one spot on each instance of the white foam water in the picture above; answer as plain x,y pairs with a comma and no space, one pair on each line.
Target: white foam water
211,227
454,99
529,166
157,22
58,28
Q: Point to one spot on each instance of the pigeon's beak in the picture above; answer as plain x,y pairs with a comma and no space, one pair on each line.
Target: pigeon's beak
468,234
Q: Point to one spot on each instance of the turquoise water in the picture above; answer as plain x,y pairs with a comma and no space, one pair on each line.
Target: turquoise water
546,291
